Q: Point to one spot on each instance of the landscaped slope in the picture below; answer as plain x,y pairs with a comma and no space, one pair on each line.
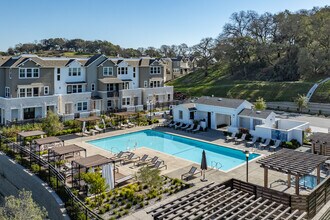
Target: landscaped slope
322,93
218,84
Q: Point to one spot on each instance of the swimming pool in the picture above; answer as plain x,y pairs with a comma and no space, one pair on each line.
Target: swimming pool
181,147
308,181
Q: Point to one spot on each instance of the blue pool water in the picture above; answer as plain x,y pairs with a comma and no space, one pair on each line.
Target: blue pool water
309,181
184,148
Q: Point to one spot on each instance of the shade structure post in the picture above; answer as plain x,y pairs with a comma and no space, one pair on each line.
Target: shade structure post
289,180
297,185
266,177
318,173
313,148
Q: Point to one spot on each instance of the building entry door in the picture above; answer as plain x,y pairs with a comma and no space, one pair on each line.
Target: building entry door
29,113
209,119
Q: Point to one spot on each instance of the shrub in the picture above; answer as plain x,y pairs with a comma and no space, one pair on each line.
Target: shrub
107,207
128,206
141,205
35,168
159,197
101,211
125,212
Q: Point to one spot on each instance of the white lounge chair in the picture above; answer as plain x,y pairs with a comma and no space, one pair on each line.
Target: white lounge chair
241,139
172,125
168,123
276,145
253,142
98,128
185,127
112,126
178,126
265,144
190,128
87,132
130,124
197,129
232,137
123,125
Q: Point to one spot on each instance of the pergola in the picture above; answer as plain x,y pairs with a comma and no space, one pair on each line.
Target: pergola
48,141
64,151
320,143
89,119
294,163
219,201
25,134
87,163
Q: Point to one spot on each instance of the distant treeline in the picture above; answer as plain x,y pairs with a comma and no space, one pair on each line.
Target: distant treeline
280,47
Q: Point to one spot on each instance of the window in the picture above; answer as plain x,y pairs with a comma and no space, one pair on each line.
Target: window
180,114
155,70
110,87
126,101
28,73
28,92
74,71
58,74
93,86
126,70
109,104
46,90
126,85
107,71
168,97
192,115
82,106
74,89
7,92
22,92
145,84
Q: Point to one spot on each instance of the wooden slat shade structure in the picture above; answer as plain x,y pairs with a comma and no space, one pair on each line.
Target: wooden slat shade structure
47,140
63,150
320,143
220,201
292,162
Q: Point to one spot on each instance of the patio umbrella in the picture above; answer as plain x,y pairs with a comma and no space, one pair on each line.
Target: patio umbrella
203,165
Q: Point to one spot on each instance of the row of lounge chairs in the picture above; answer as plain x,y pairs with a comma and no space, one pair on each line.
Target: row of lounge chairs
184,127
253,143
93,131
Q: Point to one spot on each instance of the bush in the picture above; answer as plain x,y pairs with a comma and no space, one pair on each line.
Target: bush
293,144
128,206
35,168
141,205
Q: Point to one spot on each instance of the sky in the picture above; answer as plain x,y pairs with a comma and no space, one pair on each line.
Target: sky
128,23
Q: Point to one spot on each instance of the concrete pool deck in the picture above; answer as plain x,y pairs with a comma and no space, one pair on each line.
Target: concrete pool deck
177,166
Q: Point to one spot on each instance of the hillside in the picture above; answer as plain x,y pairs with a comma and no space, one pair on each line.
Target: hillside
322,93
218,84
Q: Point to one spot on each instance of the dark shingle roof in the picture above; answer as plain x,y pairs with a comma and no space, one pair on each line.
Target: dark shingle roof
92,59
222,102
255,114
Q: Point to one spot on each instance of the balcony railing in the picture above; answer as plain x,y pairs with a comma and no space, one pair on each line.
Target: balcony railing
113,94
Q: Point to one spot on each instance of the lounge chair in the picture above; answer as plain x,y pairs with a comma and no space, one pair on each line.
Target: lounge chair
123,179
130,124
241,139
168,124
87,132
253,142
275,146
130,158
178,126
142,161
197,129
265,144
158,165
112,126
123,125
232,137
121,154
190,128
98,128
153,160
192,172
185,127
94,131
173,124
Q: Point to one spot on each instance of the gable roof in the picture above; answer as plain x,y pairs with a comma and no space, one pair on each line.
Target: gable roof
255,114
105,60
144,62
221,102
92,59
3,59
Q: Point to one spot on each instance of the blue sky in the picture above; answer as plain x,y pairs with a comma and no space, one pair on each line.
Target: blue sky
128,23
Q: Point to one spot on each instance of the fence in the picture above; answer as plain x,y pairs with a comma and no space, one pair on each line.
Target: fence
73,204
313,108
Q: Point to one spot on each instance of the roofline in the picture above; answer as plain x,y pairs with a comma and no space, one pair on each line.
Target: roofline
102,55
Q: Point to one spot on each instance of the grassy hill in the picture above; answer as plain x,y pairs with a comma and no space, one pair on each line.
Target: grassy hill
322,93
221,85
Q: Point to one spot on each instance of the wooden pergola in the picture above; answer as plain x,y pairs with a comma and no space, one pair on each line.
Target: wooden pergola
87,163
292,162
62,152
25,134
320,143
89,119
220,201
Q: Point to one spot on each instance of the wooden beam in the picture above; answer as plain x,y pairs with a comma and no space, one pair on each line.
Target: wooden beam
289,180
266,177
297,185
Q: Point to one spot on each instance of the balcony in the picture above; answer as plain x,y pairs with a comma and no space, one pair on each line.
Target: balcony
112,94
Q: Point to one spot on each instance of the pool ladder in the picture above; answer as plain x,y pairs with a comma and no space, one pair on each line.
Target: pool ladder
216,165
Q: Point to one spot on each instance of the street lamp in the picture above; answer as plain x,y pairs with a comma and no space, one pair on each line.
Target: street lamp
247,154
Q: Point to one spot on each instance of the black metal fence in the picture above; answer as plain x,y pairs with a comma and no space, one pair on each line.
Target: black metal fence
74,206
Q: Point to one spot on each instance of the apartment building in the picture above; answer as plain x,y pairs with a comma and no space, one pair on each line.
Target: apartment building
76,87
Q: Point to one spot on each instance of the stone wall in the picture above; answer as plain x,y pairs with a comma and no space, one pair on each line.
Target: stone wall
313,108
13,177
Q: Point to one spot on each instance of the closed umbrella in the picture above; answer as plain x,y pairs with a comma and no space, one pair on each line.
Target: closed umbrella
203,165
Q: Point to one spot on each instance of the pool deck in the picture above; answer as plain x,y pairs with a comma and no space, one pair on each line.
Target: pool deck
177,166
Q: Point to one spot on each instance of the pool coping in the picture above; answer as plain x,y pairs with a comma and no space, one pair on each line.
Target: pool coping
178,135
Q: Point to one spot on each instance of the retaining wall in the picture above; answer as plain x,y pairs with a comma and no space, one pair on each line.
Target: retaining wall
313,108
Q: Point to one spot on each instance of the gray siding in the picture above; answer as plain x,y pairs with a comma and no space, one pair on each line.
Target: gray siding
2,82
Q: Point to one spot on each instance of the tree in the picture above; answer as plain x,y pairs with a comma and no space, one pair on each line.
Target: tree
302,102
96,184
22,207
149,177
205,51
51,124
260,104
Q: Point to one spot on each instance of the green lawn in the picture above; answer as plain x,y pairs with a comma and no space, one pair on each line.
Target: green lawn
217,84
322,93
